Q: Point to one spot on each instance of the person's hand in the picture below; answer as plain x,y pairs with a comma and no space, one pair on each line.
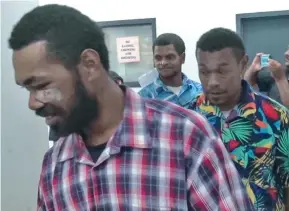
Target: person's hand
256,64
276,69
250,74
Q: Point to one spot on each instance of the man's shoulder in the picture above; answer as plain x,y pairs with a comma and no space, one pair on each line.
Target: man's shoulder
52,153
175,113
194,128
271,108
196,84
262,100
166,107
196,101
147,90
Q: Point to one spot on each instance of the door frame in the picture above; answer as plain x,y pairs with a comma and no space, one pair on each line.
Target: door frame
133,22
245,16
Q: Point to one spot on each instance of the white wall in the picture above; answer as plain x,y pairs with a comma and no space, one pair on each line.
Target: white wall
183,17
24,137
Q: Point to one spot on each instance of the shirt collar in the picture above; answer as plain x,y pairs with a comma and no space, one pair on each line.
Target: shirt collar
134,130
160,86
246,107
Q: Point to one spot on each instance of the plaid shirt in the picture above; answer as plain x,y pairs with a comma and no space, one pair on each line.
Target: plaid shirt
158,90
162,157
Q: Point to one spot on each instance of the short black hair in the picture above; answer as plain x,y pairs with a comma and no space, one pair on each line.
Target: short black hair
66,30
217,39
170,39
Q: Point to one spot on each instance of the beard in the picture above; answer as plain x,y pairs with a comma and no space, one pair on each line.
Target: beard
83,112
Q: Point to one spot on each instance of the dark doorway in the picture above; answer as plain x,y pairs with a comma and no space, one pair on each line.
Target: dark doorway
266,32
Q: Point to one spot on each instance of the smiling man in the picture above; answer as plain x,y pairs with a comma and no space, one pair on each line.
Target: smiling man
254,128
171,84
118,151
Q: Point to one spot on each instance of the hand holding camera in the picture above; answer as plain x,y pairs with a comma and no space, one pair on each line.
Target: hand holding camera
261,61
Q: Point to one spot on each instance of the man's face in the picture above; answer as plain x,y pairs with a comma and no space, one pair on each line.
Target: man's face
55,92
220,74
287,58
167,61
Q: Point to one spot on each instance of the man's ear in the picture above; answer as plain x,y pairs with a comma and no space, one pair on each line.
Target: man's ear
183,57
89,65
244,64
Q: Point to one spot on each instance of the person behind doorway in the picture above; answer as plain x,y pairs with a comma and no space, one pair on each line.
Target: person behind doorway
274,81
118,151
171,84
253,127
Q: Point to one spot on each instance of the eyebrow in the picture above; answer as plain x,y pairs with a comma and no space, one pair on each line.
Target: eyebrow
169,54
221,64
29,81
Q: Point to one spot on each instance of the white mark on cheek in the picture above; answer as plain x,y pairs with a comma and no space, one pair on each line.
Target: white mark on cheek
49,95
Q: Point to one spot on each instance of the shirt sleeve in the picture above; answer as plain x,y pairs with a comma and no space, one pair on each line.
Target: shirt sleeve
40,201
212,180
282,152
199,88
44,201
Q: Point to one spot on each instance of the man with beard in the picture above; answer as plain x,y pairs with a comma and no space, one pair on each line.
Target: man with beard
114,76
117,151
171,84
274,81
253,127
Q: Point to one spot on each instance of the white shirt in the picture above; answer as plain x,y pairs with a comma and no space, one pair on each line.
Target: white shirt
175,90
226,113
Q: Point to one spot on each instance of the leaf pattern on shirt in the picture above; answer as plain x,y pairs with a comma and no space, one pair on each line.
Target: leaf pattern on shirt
258,142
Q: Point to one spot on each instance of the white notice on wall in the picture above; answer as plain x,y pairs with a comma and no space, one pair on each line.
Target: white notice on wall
128,49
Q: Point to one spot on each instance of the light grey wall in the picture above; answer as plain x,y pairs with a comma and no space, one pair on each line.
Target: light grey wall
24,137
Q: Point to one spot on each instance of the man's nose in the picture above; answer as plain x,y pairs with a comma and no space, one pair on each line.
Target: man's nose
213,81
287,53
33,103
163,62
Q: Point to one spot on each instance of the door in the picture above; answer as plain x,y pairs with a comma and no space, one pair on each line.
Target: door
266,32
143,31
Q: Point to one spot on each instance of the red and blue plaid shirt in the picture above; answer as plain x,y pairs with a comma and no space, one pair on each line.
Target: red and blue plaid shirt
162,157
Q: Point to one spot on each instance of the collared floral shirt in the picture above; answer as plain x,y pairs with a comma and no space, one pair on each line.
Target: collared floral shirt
256,134
158,90
162,157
